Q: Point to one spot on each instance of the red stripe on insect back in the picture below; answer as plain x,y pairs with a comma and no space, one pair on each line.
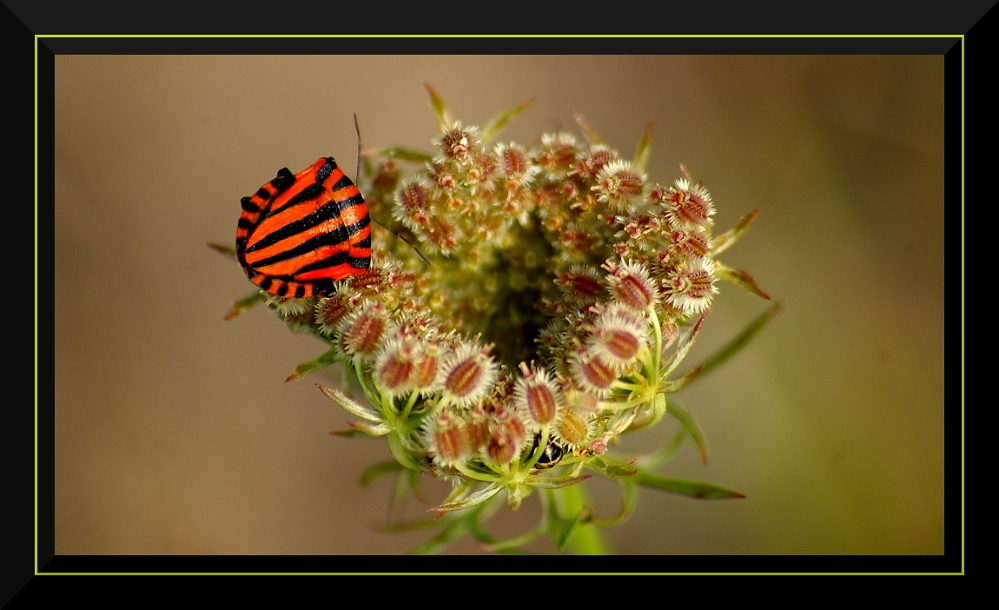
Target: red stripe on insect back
300,233
330,272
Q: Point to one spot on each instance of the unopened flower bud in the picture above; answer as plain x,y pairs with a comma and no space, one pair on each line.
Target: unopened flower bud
361,332
618,336
572,429
593,373
631,285
507,437
537,396
393,370
618,184
447,439
690,289
687,205
469,373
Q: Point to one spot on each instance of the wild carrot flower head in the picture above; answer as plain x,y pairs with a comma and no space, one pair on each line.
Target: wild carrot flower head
529,307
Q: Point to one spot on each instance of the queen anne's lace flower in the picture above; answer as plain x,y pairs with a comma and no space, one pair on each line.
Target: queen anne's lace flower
564,290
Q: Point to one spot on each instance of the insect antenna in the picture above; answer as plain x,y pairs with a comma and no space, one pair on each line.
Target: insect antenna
357,172
357,180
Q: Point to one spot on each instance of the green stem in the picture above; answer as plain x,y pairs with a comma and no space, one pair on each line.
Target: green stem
475,475
658,352
588,538
373,397
399,452
409,405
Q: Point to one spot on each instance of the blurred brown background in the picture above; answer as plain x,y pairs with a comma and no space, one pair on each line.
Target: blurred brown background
175,431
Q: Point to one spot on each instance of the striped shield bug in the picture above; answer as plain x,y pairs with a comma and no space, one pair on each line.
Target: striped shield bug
298,234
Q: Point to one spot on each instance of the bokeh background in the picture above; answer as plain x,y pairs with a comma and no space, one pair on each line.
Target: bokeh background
175,431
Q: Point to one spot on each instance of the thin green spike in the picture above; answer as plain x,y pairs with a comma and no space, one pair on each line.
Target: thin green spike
501,119
644,150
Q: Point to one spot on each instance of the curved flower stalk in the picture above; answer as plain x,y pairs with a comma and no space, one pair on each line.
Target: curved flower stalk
564,294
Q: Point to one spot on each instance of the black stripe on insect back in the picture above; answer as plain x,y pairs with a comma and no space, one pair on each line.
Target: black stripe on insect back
327,212
342,183
313,190
325,171
360,224
308,194
327,239
316,188
248,205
